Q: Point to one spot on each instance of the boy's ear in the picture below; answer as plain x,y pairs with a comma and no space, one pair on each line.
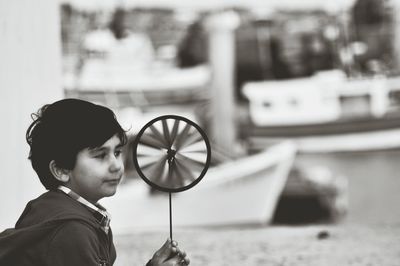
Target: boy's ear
59,173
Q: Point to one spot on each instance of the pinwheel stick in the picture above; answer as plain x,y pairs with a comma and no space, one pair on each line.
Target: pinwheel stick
167,149
170,216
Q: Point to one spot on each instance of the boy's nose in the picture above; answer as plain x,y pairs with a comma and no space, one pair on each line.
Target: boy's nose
116,164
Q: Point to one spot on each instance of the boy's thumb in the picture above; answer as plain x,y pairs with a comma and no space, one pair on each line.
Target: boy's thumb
165,249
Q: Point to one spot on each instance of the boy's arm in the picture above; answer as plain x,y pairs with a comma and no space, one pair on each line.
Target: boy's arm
75,244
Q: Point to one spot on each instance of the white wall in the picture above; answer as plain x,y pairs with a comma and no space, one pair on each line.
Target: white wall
30,76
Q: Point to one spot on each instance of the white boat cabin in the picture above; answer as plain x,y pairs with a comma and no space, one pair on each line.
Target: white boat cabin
318,99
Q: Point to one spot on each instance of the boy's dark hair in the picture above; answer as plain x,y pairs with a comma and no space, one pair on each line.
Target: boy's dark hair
62,129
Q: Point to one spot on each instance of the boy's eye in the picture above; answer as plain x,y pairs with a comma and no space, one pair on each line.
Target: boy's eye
100,156
117,153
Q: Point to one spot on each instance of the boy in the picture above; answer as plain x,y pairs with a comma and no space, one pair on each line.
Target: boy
75,149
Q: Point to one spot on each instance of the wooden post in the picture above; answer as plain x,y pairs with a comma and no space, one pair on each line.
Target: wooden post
396,34
221,39
30,76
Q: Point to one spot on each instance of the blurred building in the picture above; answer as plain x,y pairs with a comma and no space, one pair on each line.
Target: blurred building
281,45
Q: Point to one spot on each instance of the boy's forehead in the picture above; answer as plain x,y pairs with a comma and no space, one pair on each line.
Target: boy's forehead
112,142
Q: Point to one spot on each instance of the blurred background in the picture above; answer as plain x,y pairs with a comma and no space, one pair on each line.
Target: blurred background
300,100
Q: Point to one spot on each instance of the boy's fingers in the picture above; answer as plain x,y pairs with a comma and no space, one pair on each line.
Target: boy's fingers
167,242
185,261
164,252
177,261
182,254
178,251
171,254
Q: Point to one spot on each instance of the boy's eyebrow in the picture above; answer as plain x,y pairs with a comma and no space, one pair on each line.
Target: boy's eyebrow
96,149
101,148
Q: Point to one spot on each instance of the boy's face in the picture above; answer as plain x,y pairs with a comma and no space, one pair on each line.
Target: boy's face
97,171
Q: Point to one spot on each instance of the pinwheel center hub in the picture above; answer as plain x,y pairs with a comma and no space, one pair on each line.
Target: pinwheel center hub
171,155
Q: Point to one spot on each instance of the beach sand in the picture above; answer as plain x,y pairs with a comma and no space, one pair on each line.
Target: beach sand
319,245
369,234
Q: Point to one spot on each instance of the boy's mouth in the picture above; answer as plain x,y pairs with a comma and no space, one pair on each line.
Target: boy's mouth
113,181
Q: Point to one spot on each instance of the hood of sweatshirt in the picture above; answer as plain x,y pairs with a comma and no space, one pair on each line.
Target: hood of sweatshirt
54,206
40,217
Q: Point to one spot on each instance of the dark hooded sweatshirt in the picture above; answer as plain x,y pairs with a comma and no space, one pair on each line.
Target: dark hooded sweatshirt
56,230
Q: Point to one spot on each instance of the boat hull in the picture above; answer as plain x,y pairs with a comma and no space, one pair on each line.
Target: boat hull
345,135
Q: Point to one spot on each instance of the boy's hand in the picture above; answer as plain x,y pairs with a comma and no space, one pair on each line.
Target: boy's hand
169,255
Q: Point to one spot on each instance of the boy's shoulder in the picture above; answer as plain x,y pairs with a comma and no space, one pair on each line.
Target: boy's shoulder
48,221
54,206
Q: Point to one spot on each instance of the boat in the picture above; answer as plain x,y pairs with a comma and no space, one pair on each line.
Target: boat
127,73
327,113
340,136
240,192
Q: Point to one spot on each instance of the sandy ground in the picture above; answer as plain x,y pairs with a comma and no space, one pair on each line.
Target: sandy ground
317,245
369,236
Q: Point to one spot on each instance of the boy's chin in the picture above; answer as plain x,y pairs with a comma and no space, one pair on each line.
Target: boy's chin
110,192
